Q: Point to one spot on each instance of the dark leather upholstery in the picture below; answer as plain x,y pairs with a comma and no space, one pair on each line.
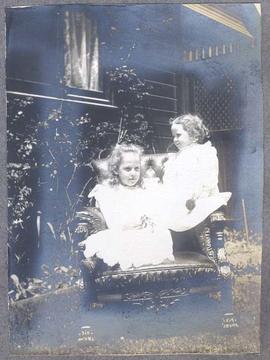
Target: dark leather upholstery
185,267
191,259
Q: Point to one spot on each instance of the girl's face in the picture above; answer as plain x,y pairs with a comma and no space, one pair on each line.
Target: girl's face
129,171
181,138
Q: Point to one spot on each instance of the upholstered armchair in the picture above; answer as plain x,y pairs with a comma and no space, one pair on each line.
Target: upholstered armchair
200,264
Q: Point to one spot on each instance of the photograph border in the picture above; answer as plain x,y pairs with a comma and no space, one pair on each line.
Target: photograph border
265,288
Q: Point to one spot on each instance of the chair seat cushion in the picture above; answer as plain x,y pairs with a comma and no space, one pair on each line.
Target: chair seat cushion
186,267
192,259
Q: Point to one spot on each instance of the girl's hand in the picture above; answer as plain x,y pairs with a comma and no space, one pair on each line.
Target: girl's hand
147,222
190,204
132,227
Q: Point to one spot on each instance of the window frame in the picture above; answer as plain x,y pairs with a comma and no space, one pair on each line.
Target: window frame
58,88
73,92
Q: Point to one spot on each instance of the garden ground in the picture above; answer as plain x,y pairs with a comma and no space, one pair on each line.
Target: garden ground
52,323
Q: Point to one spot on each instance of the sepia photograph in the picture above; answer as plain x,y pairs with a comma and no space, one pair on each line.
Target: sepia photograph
135,176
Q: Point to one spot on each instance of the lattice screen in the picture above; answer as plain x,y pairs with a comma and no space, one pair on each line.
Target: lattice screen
218,106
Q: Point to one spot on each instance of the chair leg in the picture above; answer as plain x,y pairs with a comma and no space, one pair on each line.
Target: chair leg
229,320
89,291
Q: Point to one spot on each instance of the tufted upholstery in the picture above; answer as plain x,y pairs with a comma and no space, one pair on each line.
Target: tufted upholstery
149,161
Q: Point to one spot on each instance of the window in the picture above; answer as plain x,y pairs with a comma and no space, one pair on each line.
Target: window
82,65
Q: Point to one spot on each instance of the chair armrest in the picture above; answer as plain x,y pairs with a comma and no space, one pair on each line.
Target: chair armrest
86,222
89,221
203,234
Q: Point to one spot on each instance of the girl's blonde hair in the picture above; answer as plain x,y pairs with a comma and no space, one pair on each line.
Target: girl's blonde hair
193,125
116,158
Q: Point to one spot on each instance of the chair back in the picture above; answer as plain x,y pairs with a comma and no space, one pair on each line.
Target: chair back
151,164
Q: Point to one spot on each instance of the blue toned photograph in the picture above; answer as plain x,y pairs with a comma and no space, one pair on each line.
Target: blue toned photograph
135,178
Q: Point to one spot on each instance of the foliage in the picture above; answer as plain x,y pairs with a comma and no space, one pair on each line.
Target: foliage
47,150
53,278
244,254
50,149
130,95
21,145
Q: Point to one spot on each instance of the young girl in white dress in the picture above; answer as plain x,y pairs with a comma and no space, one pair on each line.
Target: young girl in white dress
190,176
132,238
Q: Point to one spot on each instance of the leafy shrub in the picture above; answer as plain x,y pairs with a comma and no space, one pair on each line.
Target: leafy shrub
50,149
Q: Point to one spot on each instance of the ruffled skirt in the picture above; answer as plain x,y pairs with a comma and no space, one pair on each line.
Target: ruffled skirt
175,216
131,248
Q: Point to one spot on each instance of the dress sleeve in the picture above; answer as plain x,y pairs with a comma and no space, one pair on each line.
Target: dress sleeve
198,171
103,196
208,168
99,194
93,192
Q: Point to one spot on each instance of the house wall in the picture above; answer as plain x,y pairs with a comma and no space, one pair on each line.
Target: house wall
152,39
142,41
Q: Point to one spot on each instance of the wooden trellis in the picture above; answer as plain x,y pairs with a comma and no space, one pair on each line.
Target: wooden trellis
217,106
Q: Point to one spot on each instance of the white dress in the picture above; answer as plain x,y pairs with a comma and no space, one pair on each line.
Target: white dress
130,239
191,173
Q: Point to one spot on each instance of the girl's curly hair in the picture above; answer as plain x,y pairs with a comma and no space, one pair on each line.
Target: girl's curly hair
193,125
116,158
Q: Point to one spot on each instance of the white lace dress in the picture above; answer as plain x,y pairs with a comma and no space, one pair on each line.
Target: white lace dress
191,173
132,239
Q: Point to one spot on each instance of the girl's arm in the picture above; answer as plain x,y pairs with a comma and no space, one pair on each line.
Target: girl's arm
209,167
